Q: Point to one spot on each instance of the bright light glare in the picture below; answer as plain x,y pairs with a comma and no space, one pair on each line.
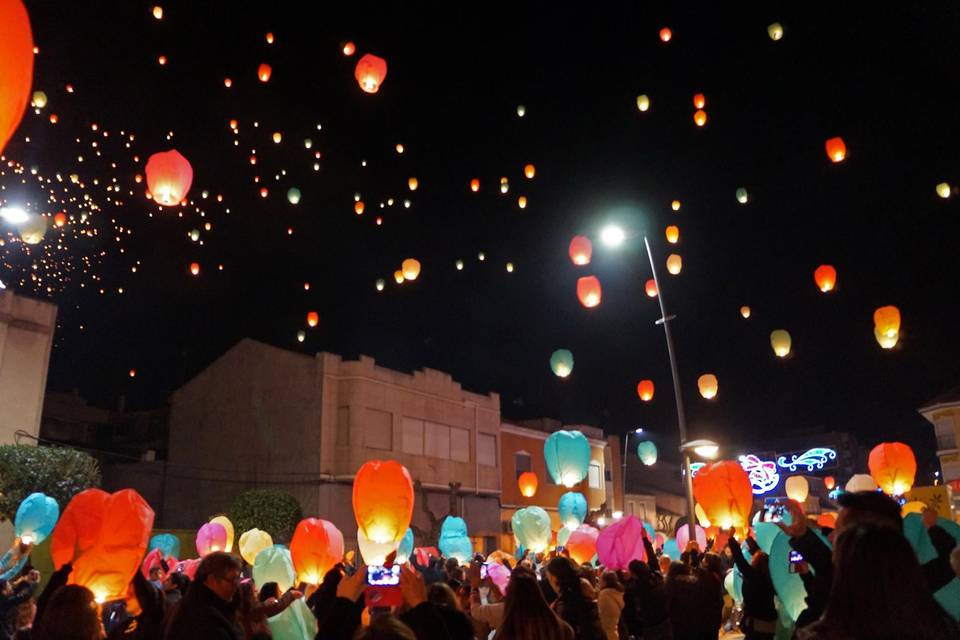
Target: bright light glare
638,430
14,215
612,235
707,450
617,515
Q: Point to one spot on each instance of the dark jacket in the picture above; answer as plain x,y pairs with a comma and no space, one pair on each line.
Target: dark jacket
581,614
758,589
203,615
8,608
644,603
685,615
343,619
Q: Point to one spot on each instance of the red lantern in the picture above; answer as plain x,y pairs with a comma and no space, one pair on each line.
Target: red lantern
666,34
724,491
826,277
370,72
349,49
316,546
528,484
651,288
836,149
313,319
700,117
475,185
699,101
264,71
383,500
829,482
893,467
645,390
581,250
169,176
589,291
16,66
60,219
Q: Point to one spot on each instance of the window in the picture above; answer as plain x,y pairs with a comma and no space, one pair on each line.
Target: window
943,428
607,476
379,430
631,508
521,460
487,449
459,444
436,440
343,426
412,436
594,475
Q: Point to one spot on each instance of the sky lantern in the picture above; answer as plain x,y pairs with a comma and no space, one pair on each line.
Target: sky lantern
504,184
589,291
349,49
645,390
742,196
829,482
708,385
195,268
943,189
474,185
673,234
826,277
211,537
382,504
797,488
531,527
683,537
167,543
412,184
745,311
398,276
647,452
581,250
264,71
700,117
158,12
724,491
60,219
620,543
775,31
675,205
650,287
887,320
224,521
521,110
277,137
410,268
269,37
527,482
39,100
454,541
893,467
674,264
529,171
886,341
293,195
316,546
860,482
572,509
33,230
16,66
370,72
36,517
522,202
358,207
561,363
643,102
301,335
313,319
780,341
169,176
253,542
582,543
836,149
567,454
699,101
666,34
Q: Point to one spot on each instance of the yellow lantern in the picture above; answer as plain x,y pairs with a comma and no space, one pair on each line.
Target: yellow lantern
224,521
886,341
522,202
673,234
675,205
708,385
412,184
943,189
775,31
797,488
643,102
529,171
700,117
398,276
40,101
745,311
887,321
277,137
410,268
674,264
780,341
253,542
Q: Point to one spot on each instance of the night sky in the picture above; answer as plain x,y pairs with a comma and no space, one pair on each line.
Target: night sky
885,83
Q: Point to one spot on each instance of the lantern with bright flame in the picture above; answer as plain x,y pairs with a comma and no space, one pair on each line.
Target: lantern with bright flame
224,521
643,102
650,288
647,452
893,467
797,488
700,117
582,543
274,564
699,101
16,66
195,268
264,71
645,390
36,517
589,291
474,185
529,171
674,264
708,385
620,543
253,542
943,188
567,454
780,341
293,195
410,268
675,205
527,482
666,34
454,541
370,72
572,509
724,491
826,277
316,546
742,196
860,482
349,49
313,319
745,311
581,250
211,537
886,320
169,176
60,219
382,506
412,184
561,363
836,149
673,234
531,527
775,31
829,482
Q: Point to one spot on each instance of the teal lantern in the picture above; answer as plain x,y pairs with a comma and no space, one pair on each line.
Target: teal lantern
36,517
454,542
168,544
274,564
572,509
562,536
742,196
647,452
531,527
293,195
561,363
671,549
568,457
406,547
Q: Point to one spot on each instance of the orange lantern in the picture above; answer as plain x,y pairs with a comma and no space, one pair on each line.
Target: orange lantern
708,385
700,117
169,176
475,185
313,319
358,207
16,66
349,49
887,320
195,268
723,490
582,543
651,288
745,311
645,390
410,268
383,500
893,467
699,101
370,72
227,82
675,205
264,71
666,34
316,546
528,484
581,250
589,291
836,149
412,184
826,277
827,519
673,234
674,264
60,219
829,482
269,37
104,536
529,171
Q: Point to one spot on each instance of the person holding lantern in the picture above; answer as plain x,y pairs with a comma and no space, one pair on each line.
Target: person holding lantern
759,610
13,561
209,610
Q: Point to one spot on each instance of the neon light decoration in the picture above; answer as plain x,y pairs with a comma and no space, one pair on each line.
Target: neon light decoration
812,458
763,473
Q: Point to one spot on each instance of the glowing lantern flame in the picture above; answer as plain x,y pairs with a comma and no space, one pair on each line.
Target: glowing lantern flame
195,268
666,34
643,102
836,149
16,66
522,202
589,291
412,184
829,482
708,385
410,268
893,467
398,276
169,176
527,482
60,219
675,205
529,171
358,207
745,311
316,546
581,250
673,234
349,49
780,341
645,390
700,117
264,71
474,185
651,288
699,101
943,189
313,319
886,321
383,501
370,72
724,491
742,196
647,452
567,454
674,264
253,542
797,488
826,277
561,363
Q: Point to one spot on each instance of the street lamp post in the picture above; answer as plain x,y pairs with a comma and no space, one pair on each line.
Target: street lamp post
623,487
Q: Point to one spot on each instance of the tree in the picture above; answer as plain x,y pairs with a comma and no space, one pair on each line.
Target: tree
270,510
58,472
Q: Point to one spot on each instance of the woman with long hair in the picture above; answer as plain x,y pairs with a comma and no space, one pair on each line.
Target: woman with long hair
71,614
527,616
572,604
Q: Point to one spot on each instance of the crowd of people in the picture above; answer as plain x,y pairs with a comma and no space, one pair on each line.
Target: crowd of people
869,585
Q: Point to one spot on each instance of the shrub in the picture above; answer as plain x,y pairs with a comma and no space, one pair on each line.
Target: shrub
58,472
270,510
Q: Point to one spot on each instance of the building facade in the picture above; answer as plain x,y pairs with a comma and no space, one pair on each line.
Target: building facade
943,412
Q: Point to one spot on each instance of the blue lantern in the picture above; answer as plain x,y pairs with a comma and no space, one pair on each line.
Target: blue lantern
671,550
647,452
454,542
573,509
36,517
168,543
531,526
567,454
406,547
561,363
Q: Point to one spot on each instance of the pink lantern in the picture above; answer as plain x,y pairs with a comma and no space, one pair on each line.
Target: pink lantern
153,559
683,537
211,537
500,575
423,555
620,543
582,543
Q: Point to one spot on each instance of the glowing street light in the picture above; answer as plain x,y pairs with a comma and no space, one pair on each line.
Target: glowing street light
612,235
703,448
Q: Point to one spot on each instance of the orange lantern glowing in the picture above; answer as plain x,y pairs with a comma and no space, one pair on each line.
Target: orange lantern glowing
410,268
358,207
708,385
582,543
475,185
745,311
651,288
195,268
827,519
269,37
699,101
529,171
723,490
316,546
893,467
829,482
528,484
700,117
581,250
887,320
675,205
16,66
169,176
836,149
412,184
313,319
60,219
666,34
826,277
674,264
370,72
645,390
383,500
589,291
673,234
264,71
349,49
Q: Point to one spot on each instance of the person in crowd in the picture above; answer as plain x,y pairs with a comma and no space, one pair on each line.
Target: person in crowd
878,591
253,610
71,614
25,618
14,559
683,601
709,577
573,603
645,612
490,614
14,593
175,587
386,628
526,614
759,611
447,605
209,609
321,599
610,604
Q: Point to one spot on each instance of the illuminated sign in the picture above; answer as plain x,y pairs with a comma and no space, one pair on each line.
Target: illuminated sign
812,458
764,474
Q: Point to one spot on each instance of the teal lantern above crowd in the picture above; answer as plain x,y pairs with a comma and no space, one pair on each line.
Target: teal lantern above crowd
567,454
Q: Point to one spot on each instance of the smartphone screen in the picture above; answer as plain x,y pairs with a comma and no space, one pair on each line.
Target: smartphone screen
795,559
483,571
383,576
774,512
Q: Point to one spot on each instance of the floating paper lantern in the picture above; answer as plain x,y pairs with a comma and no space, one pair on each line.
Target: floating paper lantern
410,268
398,277
943,189
836,149
797,488
529,171
683,538
454,541
39,99
647,452
673,234
36,517
33,230
567,454
382,503
775,31
527,482
313,319
195,268
531,527
829,482
708,385
358,207
158,12
349,49
886,341
316,546
211,537
621,543
745,311
412,184
301,335
370,72
582,543
274,564
522,202
826,277
887,320
780,341
561,363
860,482
293,195
405,550
167,543
650,287
224,521
589,291
742,196
380,284
700,117
724,491
674,264
643,102
675,205
169,176
264,71
16,66
666,34
645,390
474,185
581,250
521,110
253,542
893,467
572,509
699,101
504,184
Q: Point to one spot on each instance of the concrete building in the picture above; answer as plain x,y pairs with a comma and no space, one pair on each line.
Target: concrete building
26,337
943,412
